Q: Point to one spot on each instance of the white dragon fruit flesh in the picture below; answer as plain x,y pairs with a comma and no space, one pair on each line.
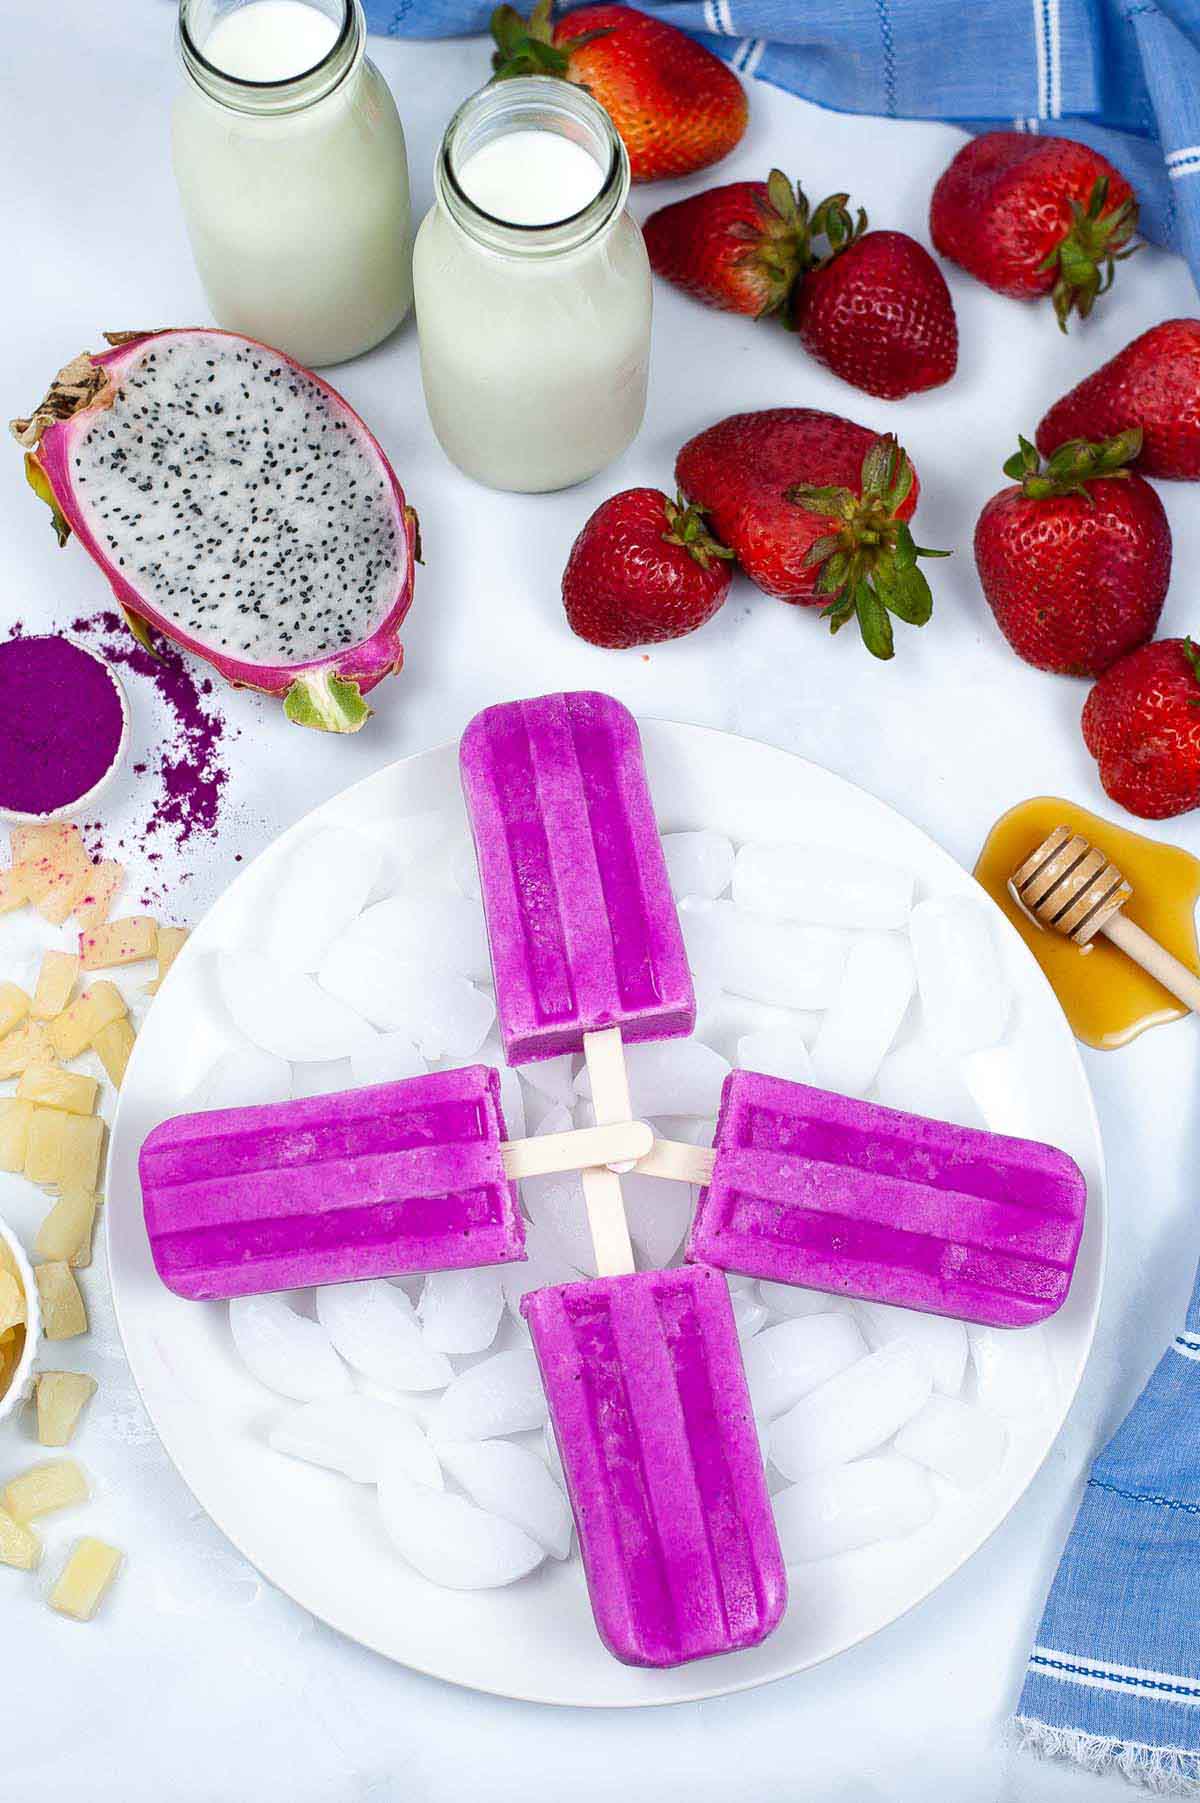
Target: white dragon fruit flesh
237,505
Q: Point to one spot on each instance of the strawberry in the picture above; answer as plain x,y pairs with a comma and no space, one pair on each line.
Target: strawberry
1141,723
642,570
1154,384
814,509
1030,216
1075,558
739,247
677,107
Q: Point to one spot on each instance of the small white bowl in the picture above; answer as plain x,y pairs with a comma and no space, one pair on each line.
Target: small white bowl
21,1387
82,803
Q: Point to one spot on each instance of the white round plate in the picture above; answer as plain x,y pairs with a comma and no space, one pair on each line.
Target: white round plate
318,1536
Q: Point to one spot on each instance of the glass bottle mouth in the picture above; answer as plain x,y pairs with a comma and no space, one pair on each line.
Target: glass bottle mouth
532,103
287,94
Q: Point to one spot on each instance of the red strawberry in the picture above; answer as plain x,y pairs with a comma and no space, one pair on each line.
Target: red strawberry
642,570
739,247
814,509
1141,723
876,310
1154,384
1031,216
676,105
1076,557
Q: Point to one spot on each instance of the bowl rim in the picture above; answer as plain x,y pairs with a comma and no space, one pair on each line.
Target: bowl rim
18,1387
81,803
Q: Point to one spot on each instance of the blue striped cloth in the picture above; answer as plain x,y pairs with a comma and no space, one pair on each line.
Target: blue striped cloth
1114,1680
1123,75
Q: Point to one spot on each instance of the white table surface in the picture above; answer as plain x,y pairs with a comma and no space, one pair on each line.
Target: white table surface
201,1684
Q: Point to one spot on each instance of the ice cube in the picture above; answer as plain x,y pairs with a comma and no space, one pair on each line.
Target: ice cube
865,1016
997,1080
784,1363
244,1077
286,1351
436,874
919,1079
686,1128
324,884
939,1342
698,863
451,1542
356,1435
286,1013
445,931
413,837
1014,1374
749,1314
460,1310
512,1482
822,886
446,1015
503,1395
375,1328
464,868
852,1413
961,1443
670,1076
657,1212
550,1453
778,1053
322,1078
552,1077
764,960
790,1300
850,1506
388,1058
543,1264
965,992
556,1204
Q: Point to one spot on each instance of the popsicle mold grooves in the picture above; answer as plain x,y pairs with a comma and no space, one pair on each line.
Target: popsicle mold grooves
844,1196
581,921
652,1416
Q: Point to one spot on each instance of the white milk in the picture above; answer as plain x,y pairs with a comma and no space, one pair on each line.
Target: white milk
295,191
532,290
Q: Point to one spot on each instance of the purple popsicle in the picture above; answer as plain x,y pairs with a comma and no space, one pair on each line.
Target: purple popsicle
836,1194
366,1183
643,1375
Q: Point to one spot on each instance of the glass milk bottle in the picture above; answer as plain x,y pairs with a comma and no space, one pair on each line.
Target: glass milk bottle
532,289
289,154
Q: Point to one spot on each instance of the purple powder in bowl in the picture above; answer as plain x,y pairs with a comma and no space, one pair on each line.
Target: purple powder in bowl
62,724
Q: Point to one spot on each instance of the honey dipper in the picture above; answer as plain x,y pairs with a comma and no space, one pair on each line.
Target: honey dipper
1070,887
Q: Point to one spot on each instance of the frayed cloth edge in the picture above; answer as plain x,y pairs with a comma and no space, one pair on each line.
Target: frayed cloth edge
1164,1771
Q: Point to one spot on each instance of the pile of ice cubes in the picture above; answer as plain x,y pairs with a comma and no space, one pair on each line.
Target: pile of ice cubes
810,963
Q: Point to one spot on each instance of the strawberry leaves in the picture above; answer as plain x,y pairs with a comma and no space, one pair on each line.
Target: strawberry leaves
527,47
1073,464
868,563
685,526
1192,653
1086,259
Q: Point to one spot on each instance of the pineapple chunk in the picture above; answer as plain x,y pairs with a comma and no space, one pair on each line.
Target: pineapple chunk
83,1146
14,1006
19,1545
56,980
113,1044
12,1302
65,1236
124,941
100,891
28,1045
12,1351
44,1146
13,890
57,868
77,1026
52,1087
7,1261
171,941
63,1313
85,1579
14,1133
62,1397
55,1484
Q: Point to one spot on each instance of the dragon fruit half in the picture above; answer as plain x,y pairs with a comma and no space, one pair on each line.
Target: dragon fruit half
237,505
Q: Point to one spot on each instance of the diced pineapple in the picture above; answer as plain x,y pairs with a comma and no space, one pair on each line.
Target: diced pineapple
56,980
7,1261
14,1006
82,1148
85,1579
19,1545
28,1044
124,941
100,891
67,1230
63,1313
14,1133
12,1301
33,841
14,892
54,1484
57,869
113,1045
77,1026
62,1397
171,941
44,1146
52,1087
12,1351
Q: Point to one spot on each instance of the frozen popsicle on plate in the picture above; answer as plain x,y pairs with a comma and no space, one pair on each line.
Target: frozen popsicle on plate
810,1188
652,1416
396,1177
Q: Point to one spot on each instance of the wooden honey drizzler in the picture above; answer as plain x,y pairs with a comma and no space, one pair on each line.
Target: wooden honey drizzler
1071,888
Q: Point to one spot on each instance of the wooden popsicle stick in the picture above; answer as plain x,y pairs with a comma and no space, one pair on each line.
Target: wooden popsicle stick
575,1151
1166,969
676,1159
602,1187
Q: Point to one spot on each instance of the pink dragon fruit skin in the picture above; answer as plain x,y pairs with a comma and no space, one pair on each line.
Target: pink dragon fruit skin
322,690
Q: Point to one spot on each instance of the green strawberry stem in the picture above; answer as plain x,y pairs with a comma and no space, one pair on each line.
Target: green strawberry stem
1073,464
778,246
686,527
1192,652
1087,257
527,47
868,563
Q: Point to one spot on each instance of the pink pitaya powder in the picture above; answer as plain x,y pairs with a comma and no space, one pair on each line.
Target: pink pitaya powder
61,723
